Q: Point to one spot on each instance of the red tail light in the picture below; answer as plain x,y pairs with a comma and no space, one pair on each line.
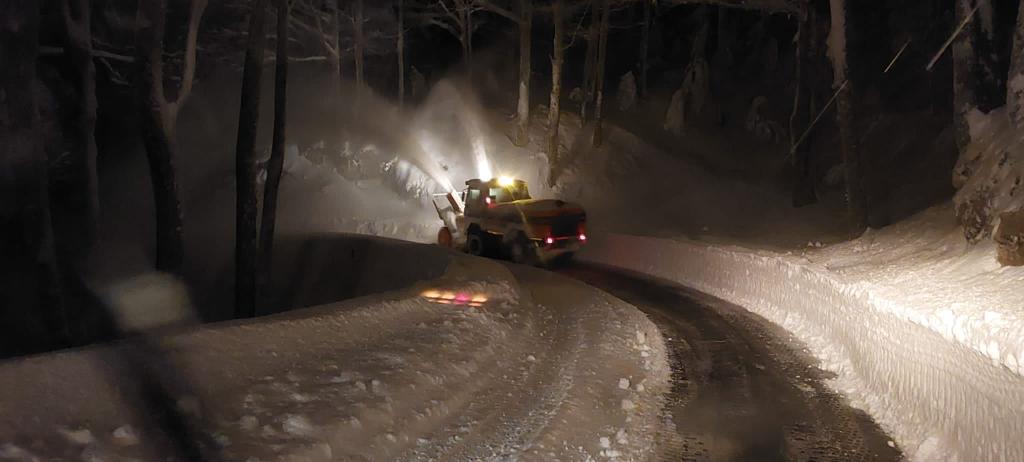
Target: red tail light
583,237
550,240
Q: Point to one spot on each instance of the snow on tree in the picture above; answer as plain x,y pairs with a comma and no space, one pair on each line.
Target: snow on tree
990,197
576,95
690,98
675,116
627,93
759,125
1015,79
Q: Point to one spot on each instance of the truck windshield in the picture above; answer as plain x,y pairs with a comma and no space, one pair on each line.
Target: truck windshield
510,193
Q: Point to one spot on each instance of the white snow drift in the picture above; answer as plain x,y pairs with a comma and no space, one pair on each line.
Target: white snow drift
924,332
545,369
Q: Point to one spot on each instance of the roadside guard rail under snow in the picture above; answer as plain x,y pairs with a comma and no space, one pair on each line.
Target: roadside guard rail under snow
940,398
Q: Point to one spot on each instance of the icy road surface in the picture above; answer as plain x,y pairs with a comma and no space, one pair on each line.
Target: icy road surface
742,388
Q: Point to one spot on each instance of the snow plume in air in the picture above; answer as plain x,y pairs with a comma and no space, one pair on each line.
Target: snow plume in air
429,147
483,166
451,119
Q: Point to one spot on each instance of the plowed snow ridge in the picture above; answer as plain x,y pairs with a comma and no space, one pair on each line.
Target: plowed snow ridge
923,332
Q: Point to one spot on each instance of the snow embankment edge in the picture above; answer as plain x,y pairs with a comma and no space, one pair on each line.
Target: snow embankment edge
939,398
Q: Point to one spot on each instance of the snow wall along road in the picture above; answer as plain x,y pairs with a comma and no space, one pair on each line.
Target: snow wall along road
546,368
940,397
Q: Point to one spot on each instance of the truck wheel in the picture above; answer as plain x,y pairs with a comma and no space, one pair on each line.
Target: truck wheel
475,244
520,250
444,237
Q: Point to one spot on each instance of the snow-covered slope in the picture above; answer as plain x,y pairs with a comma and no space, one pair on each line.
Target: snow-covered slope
545,369
924,332
990,202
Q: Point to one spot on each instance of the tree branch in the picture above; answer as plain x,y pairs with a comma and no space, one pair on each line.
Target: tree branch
189,73
771,6
488,5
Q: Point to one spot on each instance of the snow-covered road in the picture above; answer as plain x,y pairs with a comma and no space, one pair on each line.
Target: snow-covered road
546,368
742,388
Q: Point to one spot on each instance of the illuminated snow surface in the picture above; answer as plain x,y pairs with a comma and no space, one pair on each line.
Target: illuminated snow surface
924,332
546,369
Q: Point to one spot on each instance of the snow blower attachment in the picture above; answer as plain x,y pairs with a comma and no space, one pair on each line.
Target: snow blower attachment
498,217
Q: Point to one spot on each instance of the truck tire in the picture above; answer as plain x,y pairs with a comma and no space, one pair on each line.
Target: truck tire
520,250
475,244
444,237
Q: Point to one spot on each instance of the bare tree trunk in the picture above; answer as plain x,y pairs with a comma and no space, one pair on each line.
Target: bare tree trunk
158,120
401,53
155,135
77,16
466,35
1015,79
276,163
554,111
725,36
645,40
245,166
523,109
803,188
336,42
29,266
469,38
964,95
357,25
590,61
602,58
855,196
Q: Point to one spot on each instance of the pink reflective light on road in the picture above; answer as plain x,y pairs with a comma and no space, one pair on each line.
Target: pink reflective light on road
454,298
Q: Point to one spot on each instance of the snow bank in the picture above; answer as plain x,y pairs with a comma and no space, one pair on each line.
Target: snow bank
925,333
546,369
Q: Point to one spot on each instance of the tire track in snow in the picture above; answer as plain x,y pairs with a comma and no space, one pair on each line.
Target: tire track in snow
742,388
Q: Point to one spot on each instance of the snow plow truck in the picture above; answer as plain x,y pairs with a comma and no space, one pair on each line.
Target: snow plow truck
498,218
